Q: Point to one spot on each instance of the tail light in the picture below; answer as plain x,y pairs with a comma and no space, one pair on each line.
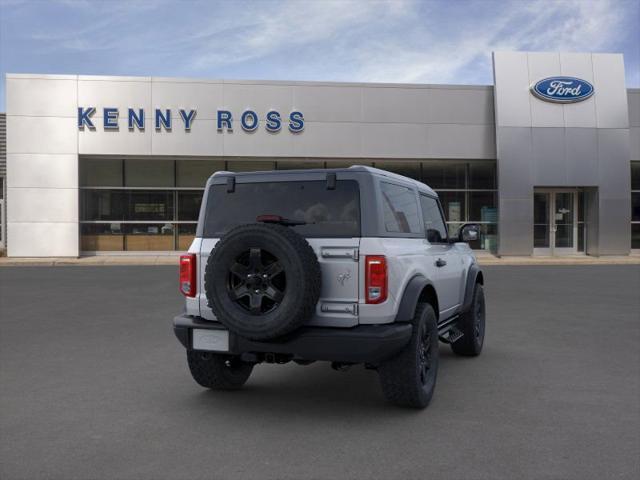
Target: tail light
375,278
188,275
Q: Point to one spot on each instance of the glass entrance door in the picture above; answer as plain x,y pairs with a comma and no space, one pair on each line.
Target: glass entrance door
564,223
554,222
541,223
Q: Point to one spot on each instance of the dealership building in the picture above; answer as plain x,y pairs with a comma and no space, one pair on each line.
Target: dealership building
547,159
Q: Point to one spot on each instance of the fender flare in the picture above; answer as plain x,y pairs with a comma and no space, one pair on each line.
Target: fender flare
472,277
410,298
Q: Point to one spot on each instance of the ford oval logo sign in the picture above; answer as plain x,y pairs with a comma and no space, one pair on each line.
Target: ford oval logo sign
562,89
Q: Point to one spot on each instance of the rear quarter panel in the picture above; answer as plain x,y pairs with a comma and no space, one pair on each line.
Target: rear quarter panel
405,259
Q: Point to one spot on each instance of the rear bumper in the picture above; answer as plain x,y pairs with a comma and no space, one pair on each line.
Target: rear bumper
361,344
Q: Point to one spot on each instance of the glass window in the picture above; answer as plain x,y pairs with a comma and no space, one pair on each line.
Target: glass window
408,169
298,165
103,205
149,237
189,205
444,175
149,173
100,172
324,213
101,237
435,228
250,166
482,175
482,207
150,205
581,235
635,175
195,173
186,234
635,206
635,235
541,236
453,204
488,237
400,209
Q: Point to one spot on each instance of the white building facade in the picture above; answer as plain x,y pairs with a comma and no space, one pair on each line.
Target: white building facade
117,164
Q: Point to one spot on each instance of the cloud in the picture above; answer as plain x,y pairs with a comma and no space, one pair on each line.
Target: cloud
408,41
413,41
571,25
259,32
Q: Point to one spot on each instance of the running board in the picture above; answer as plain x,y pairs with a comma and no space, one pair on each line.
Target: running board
448,331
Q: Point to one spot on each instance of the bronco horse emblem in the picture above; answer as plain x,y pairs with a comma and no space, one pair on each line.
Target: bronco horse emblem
343,277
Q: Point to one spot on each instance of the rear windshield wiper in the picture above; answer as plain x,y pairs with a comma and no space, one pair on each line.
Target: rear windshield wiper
287,222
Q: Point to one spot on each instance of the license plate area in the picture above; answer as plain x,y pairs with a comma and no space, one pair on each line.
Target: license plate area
210,340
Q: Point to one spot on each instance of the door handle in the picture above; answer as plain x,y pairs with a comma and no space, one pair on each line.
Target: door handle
440,263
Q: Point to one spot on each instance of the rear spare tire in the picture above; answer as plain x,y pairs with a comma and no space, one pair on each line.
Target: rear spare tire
262,281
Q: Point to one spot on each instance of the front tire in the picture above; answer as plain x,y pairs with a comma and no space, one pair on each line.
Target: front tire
472,325
409,378
218,372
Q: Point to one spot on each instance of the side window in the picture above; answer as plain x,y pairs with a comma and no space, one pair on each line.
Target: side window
400,209
435,228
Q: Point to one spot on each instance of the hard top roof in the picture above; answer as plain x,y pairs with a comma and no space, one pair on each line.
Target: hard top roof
352,169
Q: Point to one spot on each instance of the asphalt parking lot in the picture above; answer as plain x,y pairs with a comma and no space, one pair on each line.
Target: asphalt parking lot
93,385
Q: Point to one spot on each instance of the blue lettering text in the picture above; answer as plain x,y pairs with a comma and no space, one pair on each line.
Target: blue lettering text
249,120
84,117
274,124
225,119
136,120
110,117
296,122
163,120
187,118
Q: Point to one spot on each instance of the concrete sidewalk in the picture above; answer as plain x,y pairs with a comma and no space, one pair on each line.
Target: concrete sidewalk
172,259
488,259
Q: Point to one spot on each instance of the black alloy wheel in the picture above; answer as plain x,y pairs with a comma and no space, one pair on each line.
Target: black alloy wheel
424,357
257,281
262,281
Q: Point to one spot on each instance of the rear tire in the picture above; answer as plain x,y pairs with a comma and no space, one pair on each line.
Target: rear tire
409,378
218,372
472,325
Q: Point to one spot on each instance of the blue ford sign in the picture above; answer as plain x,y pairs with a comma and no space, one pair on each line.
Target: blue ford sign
562,89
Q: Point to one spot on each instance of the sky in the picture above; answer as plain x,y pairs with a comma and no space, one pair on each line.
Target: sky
403,41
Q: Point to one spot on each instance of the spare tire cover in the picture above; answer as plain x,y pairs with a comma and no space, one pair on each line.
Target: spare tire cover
262,281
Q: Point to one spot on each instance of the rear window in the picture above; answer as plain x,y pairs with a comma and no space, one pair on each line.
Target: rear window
327,213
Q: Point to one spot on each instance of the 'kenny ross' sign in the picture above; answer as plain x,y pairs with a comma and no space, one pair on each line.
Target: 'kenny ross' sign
162,119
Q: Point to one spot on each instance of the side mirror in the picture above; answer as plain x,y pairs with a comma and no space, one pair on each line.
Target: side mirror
469,232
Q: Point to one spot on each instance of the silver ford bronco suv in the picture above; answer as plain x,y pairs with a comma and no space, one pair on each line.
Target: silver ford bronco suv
349,265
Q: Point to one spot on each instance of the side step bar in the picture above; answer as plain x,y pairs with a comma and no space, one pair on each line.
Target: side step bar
448,331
